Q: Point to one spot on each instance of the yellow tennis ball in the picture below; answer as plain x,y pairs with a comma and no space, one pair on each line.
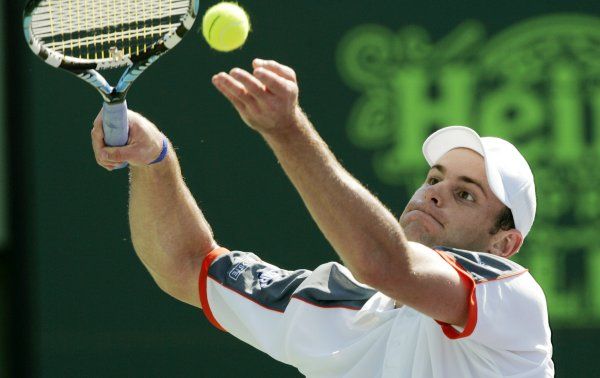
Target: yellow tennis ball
225,26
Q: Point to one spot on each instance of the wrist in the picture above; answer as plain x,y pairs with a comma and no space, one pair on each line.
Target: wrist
163,152
164,167
289,130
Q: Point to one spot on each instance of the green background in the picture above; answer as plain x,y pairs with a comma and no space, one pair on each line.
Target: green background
90,308
3,206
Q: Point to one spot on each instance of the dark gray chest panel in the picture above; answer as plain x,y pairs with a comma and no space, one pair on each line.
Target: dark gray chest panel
484,266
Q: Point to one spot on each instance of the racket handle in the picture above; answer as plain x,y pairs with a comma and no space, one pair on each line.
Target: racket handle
115,125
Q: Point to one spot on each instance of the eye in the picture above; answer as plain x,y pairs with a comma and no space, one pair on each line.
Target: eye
432,180
466,196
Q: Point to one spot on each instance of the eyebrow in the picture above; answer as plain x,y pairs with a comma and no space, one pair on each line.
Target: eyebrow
439,167
466,179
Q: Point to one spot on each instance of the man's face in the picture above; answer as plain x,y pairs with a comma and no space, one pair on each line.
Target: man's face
455,207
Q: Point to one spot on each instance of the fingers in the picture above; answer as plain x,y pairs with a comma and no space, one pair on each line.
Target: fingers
144,145
232,89
263,99
98,120
98,143
105,156
242,88
97,139
110,157
252,84
110,166
278,68
275,83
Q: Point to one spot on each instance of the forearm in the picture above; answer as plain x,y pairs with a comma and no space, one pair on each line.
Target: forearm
169,233
361,230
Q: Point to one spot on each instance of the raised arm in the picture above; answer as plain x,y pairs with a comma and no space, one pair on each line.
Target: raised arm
169,233
366,236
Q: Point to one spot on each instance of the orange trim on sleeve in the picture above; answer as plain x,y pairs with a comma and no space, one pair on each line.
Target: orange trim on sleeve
208,260
449,331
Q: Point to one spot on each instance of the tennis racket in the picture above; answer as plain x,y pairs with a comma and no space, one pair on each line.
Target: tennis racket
86,36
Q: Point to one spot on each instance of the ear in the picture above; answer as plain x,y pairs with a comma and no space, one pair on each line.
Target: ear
506,243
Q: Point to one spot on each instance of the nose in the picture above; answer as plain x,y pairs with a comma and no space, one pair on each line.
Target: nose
433,195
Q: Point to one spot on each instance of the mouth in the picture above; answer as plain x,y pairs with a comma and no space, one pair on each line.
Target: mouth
429,216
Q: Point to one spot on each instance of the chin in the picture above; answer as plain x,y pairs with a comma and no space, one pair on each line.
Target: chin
419,234
430,241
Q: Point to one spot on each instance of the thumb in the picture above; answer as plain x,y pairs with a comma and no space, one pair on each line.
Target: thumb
117,154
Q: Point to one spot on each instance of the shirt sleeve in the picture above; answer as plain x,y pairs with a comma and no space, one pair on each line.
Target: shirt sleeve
245,296
507,308
512,314
284,313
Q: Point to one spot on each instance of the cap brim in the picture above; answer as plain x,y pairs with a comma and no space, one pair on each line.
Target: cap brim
452,137
449,138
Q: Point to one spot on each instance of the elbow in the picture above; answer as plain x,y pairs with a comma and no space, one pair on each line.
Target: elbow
165,286
386,272
184,293
368,273
361,276
372,278
375,259
396,283
179,277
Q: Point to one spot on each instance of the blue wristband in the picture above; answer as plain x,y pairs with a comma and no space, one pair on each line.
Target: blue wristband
163,152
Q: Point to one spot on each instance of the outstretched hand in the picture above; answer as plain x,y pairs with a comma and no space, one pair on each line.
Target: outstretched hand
267,99
144,144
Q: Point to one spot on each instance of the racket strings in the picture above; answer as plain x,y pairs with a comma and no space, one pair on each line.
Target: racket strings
102,29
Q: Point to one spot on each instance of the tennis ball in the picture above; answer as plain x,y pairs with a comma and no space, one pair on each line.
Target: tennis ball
225,26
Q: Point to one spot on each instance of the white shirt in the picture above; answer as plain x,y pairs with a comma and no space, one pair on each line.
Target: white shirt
327,324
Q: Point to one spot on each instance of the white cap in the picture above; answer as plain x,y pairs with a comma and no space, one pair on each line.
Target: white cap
508,173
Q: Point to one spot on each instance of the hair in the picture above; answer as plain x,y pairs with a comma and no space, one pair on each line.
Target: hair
505,221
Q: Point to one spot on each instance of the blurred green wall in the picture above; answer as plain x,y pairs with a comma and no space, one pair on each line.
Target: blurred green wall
3,202
3,151
375,79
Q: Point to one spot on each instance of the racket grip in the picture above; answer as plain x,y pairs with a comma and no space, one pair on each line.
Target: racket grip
115,125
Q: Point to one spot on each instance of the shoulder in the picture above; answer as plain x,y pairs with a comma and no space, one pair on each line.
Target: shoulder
483,267
510,306
499,279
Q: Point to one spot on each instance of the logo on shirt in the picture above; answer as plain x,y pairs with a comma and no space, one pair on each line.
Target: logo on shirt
237,270
266,277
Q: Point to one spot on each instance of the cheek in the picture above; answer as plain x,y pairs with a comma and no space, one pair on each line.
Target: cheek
417,197
489,216
471,223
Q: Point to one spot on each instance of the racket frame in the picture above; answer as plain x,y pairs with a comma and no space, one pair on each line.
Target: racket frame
87,70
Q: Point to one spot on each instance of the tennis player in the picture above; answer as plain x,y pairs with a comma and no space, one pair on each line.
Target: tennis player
431,295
